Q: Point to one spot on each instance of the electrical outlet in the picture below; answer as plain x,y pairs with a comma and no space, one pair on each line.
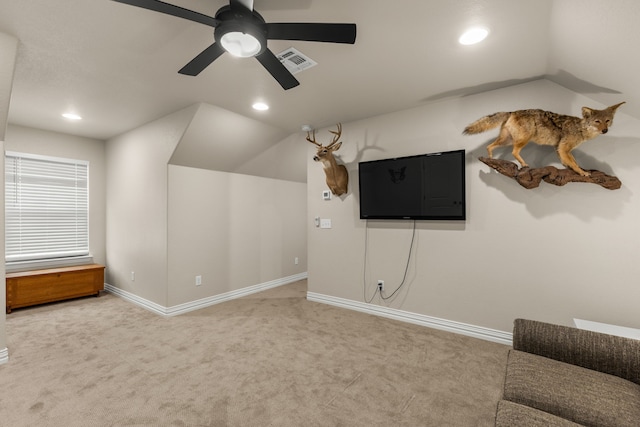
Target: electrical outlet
296,261
325,222
381,285
133,276
198,280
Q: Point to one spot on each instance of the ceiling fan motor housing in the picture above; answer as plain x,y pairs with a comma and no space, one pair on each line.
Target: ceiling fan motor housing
247,22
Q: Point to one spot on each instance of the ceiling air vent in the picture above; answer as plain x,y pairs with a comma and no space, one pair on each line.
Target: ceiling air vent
295,61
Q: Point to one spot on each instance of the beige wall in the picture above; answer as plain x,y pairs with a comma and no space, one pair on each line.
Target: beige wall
551,253
8,49
36,141
285,160
3,288
169,223
234,230
137,205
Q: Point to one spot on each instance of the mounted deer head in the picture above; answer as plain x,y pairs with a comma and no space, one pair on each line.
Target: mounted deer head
337,175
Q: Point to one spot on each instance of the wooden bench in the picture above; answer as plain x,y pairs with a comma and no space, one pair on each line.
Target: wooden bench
26,288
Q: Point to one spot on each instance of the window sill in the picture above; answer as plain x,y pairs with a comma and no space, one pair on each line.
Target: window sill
13,267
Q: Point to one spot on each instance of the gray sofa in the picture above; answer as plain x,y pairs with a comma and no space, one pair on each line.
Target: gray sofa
562,376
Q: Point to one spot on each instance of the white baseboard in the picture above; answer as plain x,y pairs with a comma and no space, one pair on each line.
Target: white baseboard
135,299
4,356
418,319
605,328
204,302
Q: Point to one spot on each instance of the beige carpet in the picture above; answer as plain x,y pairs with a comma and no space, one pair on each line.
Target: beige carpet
270,359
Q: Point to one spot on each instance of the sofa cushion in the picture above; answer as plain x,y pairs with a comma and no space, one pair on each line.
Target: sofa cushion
577,394
510,414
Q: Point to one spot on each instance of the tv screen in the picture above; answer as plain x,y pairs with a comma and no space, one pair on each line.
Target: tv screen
428,186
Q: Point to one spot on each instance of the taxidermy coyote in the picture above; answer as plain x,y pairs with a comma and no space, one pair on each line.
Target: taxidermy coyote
565,133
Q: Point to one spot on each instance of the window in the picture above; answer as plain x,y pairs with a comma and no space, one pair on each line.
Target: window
46,207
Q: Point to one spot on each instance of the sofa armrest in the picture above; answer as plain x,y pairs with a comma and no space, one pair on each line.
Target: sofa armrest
592,350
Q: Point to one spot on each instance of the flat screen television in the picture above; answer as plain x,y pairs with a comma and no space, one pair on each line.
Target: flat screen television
428,186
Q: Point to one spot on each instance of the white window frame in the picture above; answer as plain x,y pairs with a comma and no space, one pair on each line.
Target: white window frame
22,251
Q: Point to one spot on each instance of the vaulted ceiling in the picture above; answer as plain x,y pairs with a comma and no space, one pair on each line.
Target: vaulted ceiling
116,65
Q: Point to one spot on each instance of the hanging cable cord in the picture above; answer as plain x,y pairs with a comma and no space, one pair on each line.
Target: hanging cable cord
406,269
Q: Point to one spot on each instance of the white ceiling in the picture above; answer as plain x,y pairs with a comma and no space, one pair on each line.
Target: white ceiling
116,65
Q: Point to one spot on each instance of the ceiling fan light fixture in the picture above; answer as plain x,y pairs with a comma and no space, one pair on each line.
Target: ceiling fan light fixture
240,44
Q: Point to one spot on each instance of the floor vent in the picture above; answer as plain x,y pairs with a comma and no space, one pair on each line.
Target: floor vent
295,61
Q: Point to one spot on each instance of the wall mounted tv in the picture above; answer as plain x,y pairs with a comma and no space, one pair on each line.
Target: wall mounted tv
428,186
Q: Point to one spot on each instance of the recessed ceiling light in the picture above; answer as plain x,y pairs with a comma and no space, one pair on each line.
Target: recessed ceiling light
71,116
473,36
260,106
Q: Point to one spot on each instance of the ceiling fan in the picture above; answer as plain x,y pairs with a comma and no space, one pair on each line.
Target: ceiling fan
241,31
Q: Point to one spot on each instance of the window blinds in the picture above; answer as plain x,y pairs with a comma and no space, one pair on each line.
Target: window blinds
46,207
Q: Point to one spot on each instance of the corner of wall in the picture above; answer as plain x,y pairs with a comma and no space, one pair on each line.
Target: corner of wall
136,192
8,51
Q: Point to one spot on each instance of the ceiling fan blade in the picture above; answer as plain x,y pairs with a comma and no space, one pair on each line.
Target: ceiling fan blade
203,60
313,32
170,9
246,4
277,70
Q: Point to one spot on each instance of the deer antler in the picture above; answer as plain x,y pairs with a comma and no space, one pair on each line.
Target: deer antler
312,139
336,135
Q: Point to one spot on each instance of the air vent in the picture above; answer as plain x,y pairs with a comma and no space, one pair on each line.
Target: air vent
295,61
